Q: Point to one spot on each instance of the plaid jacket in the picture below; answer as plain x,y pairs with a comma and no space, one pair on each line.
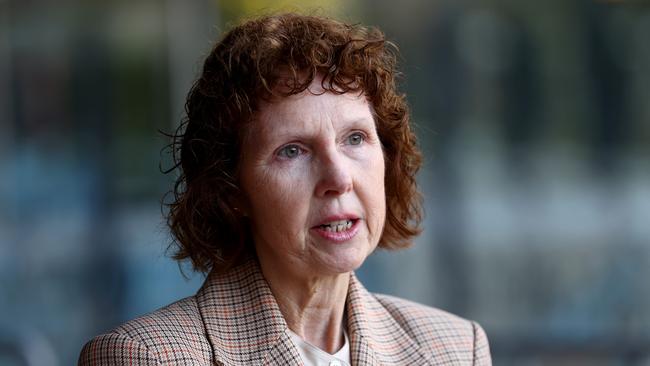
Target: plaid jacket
234,320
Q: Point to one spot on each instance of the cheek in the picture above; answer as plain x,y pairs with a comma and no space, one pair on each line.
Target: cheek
377,193
379,174
380,208
275,196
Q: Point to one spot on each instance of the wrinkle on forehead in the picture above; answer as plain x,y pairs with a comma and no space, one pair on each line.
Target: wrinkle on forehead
322,108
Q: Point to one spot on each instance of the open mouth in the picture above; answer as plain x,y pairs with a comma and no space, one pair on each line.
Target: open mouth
338,226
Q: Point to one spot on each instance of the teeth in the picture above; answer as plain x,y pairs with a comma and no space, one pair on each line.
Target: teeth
338,226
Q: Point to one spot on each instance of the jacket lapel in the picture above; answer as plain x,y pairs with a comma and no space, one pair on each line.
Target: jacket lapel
376,337
242,319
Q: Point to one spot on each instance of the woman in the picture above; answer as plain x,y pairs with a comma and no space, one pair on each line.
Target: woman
297,161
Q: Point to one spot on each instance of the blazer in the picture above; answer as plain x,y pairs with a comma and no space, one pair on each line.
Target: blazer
234,320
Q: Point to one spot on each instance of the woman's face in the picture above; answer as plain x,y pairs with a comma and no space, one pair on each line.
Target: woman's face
312,174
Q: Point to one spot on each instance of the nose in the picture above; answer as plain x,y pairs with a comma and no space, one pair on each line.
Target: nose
334,173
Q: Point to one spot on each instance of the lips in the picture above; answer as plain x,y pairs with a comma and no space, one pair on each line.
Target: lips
338,228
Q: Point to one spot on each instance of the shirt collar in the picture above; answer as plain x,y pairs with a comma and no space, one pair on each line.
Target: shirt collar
312,355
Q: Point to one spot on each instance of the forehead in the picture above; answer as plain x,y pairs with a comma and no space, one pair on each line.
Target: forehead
311,109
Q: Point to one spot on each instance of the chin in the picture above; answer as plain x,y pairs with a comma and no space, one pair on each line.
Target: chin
343,262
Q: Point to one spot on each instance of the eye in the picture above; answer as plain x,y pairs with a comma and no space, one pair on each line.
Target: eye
290,152
356,138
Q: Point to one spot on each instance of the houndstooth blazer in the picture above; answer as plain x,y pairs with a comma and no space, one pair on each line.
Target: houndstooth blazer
234,320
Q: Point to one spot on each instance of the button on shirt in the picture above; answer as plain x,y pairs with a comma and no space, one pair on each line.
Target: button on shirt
314,356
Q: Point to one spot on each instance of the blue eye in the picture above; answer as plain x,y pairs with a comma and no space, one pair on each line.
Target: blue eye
290,151
356,139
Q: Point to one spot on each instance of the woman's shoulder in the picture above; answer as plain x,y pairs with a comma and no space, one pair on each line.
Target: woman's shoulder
435,328
173,333
412,314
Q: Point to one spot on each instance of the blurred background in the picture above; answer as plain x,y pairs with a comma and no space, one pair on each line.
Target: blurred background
534,119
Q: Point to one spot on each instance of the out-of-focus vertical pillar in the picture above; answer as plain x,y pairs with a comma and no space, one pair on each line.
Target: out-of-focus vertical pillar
192,27
6,100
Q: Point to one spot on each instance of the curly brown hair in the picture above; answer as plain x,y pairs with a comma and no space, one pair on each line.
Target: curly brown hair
242,70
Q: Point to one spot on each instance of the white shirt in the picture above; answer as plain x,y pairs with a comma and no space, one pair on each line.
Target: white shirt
314,356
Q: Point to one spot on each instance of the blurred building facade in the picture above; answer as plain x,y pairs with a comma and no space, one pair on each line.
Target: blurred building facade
534,119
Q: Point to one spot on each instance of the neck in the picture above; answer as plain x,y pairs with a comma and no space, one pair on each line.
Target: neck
313,306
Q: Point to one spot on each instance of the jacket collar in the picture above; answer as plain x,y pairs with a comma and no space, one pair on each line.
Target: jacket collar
245,326
376,337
